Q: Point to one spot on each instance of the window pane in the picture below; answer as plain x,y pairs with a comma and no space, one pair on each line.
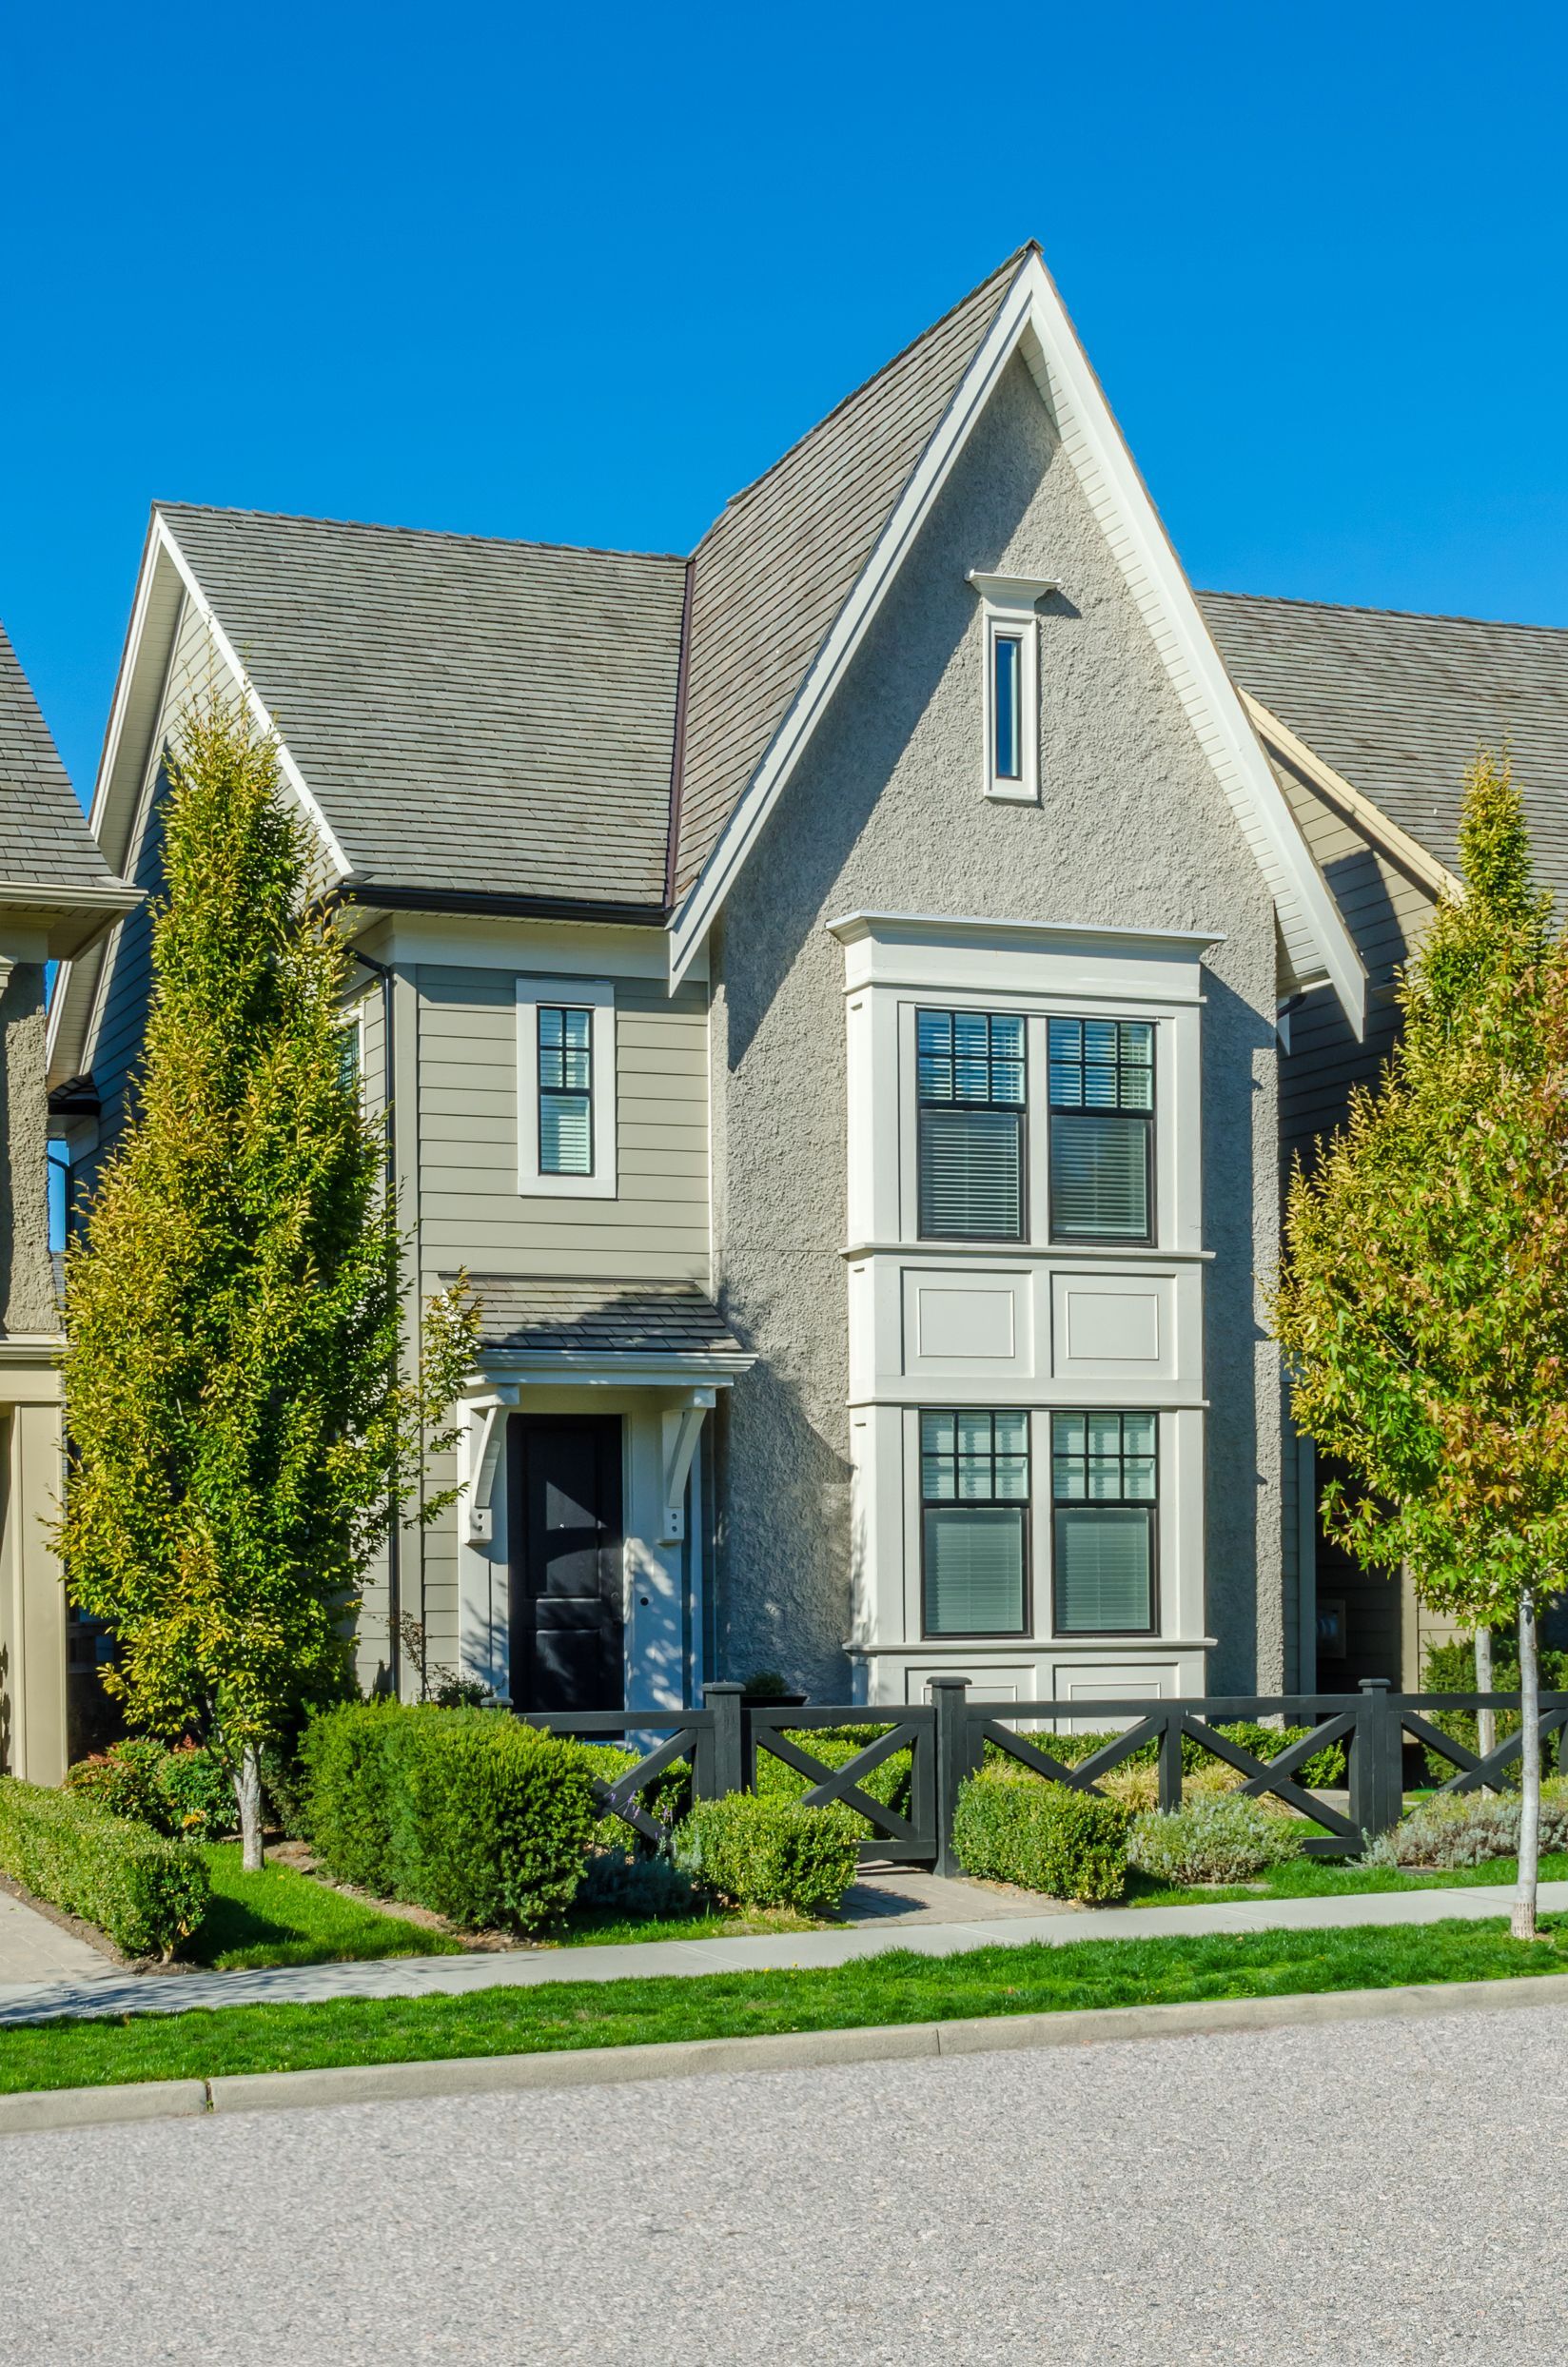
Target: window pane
1005,686
550,1026
971,1174
1138,1434
1012,1433
1068,1434
1066,1479
974,1572
1099,1178
566,1135
1104,1570
936,1433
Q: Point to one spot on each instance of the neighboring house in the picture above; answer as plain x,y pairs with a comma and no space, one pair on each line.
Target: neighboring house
830,991
57,897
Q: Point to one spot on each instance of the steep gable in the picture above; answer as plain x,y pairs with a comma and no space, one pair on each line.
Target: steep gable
772,574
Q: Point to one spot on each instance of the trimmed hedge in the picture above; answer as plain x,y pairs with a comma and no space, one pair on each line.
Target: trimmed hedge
1224,1838
466,1812
147,1893
760,1850
1042,1836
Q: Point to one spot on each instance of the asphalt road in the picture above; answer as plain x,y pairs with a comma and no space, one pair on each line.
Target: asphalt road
1384,2192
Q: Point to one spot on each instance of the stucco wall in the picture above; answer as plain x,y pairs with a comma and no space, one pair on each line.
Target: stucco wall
886,811
27,1280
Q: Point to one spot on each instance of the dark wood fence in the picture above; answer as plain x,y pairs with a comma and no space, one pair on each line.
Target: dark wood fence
947,1739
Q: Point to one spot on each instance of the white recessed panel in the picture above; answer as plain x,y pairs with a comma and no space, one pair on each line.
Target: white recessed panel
1120,1327
966,1324
1112,1327
955,1321
1121,1681
983,1684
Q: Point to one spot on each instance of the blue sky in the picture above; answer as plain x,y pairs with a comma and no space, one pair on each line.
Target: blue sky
579,274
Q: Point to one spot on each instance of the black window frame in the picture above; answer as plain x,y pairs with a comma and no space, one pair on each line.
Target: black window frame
1022,1505
1148,1119
563,1092
1018,1110
1149,1506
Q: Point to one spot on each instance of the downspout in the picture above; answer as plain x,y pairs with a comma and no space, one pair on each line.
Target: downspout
394,1564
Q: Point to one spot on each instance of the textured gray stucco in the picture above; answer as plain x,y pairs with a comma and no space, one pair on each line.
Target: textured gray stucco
886,813
27,1277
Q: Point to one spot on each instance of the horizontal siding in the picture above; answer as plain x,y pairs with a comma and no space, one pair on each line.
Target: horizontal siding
471,1211
1387,913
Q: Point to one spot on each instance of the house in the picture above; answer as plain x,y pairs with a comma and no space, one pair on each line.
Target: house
847,997
57,898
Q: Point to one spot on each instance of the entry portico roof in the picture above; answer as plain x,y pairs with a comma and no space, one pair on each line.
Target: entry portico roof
626,1328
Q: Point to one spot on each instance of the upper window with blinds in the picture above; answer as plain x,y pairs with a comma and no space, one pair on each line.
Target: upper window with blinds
972,1088
566,1089
1102,1130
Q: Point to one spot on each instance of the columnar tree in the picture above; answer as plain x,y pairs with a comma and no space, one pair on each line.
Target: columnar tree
1424,1308
242,1439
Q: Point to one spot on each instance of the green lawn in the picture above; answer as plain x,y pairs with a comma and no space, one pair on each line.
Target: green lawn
899,1987
281,1917
1322,1878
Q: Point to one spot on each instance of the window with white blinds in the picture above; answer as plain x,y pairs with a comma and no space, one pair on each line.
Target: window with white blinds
565,1090
972,1086
974,1490
1104,1498
1102,1130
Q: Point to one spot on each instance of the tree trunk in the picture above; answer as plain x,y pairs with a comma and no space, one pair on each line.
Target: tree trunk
247,1794
1529,1848
1486,1720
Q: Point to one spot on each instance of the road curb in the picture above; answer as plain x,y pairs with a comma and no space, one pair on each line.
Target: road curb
614,2066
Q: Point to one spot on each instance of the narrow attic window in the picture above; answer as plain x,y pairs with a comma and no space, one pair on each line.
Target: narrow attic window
1007,660
1012,634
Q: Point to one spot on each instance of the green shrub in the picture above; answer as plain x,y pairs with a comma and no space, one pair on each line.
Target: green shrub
762,1850
666,1799
1451,1669
475,1815
1041,1835
1469,1829
183,1790
1324,1769
638,1887
836,1746
122,1780
1222,1838
145,1891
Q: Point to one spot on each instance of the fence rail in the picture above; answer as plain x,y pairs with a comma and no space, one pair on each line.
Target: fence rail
948,1737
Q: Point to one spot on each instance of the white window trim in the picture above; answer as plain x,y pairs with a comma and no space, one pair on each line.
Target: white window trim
598,995
1009,612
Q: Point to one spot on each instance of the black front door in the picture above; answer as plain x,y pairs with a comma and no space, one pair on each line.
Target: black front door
567,1615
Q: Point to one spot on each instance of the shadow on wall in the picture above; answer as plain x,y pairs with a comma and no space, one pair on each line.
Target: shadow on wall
771,1610
1241,1561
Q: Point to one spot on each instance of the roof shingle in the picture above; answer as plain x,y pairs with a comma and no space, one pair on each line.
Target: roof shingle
1398,703
599,1318
44,841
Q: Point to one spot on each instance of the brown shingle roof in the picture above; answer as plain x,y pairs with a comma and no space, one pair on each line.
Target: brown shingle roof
599,1318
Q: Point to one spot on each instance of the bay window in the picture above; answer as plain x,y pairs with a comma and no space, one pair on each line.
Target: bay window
972,1086
1105,1499
975,1496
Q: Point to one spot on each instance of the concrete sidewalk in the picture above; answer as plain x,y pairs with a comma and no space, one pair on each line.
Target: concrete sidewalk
111,1992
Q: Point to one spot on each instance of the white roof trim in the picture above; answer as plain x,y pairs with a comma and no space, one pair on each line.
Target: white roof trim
1355,807
254,701
1317,943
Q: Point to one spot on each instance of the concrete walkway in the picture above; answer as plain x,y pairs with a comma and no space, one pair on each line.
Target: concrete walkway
33,1949
110,1992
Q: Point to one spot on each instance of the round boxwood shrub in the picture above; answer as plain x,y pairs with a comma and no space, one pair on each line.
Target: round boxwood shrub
1041,1835
1222,1837
760,1849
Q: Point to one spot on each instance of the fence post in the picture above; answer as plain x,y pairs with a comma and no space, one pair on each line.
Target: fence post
727,1762
1170,1761
949,1699
1377,1761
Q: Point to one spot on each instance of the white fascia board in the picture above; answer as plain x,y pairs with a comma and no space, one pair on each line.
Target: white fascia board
1357,808
1317,944
255,705
627,1369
